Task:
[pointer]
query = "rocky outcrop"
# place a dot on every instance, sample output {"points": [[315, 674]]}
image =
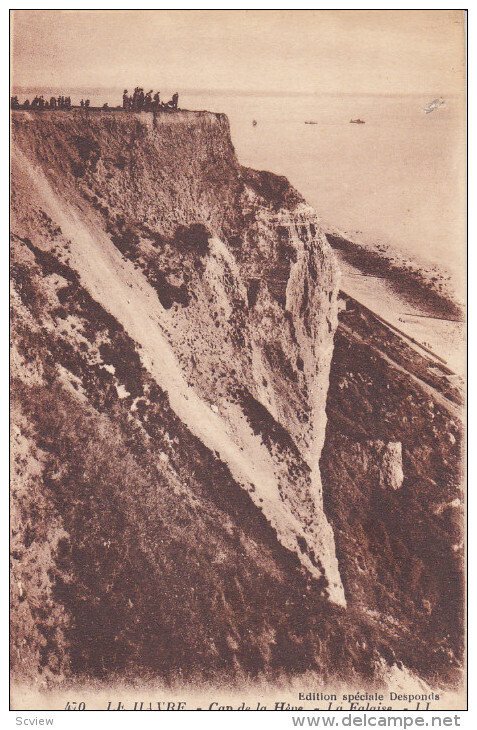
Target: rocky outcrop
{"points": [[380, 462]]}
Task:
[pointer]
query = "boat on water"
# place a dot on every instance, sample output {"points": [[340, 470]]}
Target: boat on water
{"points": [[311, 122], [356, 121]]}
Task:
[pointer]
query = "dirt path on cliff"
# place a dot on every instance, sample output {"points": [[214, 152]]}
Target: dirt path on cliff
{"points": [[122, 290]]}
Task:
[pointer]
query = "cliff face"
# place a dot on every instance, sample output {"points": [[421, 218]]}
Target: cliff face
{"points": [[173, 325], [392, 470]]}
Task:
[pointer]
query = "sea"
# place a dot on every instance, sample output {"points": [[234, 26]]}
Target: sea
{"points": [[399, 179]]}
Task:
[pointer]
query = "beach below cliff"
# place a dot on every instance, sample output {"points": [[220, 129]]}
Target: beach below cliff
{"points": [[413, 296], [441, 338]]}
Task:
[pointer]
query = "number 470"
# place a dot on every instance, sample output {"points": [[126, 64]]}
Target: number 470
{"points": [[75, 706]]}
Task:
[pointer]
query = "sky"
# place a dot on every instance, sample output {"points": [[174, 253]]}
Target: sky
{"points": [[323, 51]]}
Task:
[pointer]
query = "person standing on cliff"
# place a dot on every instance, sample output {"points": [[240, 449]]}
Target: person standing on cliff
{"points": [[134, 101], [156, 101], [148, 101], [175, 100], [126, 101]]}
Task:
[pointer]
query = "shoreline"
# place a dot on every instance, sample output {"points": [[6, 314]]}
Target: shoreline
{"points": [[412, 296], [423, 285]]}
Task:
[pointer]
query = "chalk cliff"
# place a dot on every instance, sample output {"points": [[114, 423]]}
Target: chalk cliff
{"points": [[180, 503]]}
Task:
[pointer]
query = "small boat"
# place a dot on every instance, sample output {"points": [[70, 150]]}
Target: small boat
{"points": [[254, 122], [356, 121], [311, 122]]}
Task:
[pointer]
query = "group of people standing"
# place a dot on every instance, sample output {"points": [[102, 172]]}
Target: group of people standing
{"points": [[39, 102], [139, 101]]}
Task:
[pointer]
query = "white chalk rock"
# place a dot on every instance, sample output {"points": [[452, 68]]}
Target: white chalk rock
{"points": [[391, 475]]}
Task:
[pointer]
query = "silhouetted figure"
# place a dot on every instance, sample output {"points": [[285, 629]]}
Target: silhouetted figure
{"points": [[156, 101], [52, 102], [26, 104], [82, 103], [126, 100], [14, 103], [41, 102], [86, 103], [172, 104], [148, 101]]}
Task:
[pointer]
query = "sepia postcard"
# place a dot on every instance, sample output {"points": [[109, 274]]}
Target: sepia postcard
{"points": [[238, 360]]}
